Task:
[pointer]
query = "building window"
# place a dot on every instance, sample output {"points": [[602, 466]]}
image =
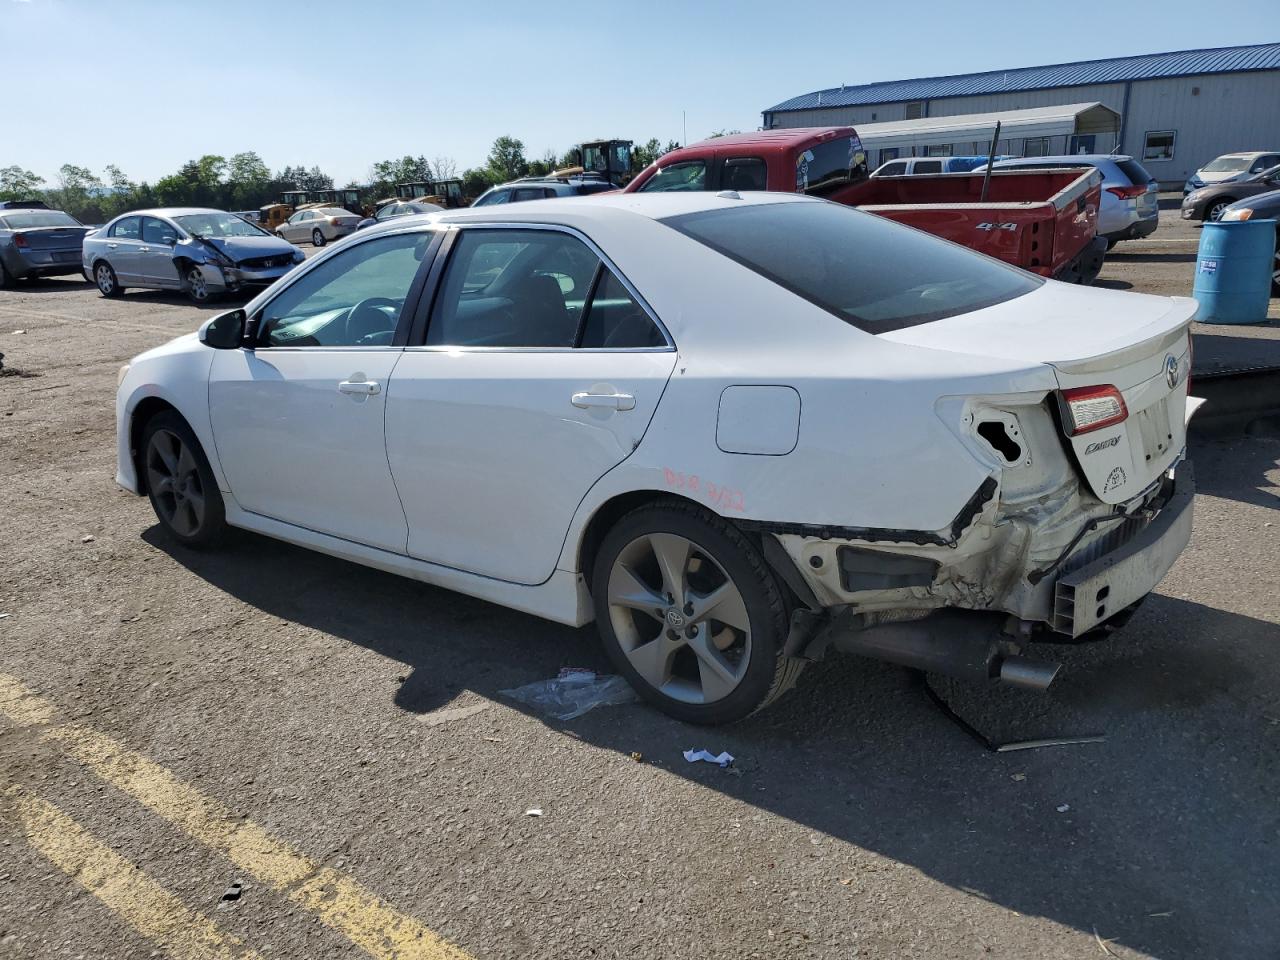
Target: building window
{"points": [[1082, 144], [938, 150], [1158, 145], [889, 153], [1035, 147], [915, 110]]}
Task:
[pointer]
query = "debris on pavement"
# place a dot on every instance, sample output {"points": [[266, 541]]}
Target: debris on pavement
{"points": [[233, 892], [88, 538], [1063, 808], [637, 756], [1018, 777], [533, 812], [721, 760], [573, 693]]}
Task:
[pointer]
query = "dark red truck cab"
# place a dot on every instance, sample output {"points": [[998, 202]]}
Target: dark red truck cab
{"points": [[1044, 221]]}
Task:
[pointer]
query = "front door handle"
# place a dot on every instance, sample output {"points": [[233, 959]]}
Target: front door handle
{"points": [[611, 401], [363, 388]]}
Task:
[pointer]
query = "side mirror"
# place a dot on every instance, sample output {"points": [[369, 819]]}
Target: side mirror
{"points": [[225, 331]]}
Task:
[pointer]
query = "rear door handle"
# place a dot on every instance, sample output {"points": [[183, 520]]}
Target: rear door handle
{"points": [[363, 388], [611, 401]]}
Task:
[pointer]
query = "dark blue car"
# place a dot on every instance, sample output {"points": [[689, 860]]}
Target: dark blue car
{"points": [[37, 242]]}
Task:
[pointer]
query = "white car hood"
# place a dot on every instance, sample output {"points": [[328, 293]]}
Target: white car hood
{"points": [[1059, 324]]}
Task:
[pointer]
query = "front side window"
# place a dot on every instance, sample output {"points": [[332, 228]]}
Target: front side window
{"points": [[158, 232], [895, 169], [353, 299], [513, 288], [1158, 145], [872, 273], [678, 177], [129, 228]]}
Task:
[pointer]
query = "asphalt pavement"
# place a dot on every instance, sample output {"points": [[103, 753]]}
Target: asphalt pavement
{"points": [[267, 752]]}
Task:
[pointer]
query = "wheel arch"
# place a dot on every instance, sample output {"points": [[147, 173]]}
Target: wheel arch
{"points": [[146, 409]]}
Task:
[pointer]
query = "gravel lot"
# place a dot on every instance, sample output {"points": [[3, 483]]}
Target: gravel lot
{"points": [[334, 740]]}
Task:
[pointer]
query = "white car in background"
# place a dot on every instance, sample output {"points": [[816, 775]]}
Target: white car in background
{"points": [[732, 430], [1231, 166], [320, 225]]}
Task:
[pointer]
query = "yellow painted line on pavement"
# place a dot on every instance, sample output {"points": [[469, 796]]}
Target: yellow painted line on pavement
{"points": [[185, 934], [339, 901]]}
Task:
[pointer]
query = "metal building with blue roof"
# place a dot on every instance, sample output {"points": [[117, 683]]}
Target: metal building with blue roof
{"points": [[1178, 110]]}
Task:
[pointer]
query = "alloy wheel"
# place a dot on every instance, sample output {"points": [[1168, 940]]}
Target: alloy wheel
{"points": [[106, 280], [196, 285], [317, 238], [1216, 211], [173, 477], [679, 618]]}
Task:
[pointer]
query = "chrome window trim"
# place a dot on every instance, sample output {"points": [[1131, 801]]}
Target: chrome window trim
{"points": [[594, 248]]}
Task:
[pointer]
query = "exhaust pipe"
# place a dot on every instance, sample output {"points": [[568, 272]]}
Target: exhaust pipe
{"points": [[957, 643]]}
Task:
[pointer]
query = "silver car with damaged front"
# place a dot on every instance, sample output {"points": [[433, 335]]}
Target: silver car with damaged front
{"points": [[203, 252]]}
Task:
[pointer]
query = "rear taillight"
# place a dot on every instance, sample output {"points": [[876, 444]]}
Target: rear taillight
{"points": [[333, 221], [1092, 408], [1128, 193], [20, 240]]}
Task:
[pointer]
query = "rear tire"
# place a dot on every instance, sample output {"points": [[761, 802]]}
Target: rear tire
{"points": [[5, 278], [691, 615], [317, 238], [180, 483], [105, 280]]}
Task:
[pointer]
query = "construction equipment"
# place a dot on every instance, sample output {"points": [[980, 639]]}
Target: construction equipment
{"points": [[446, 193]]}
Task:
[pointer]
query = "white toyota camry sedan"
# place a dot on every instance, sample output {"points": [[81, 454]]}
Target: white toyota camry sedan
{"points": [[734, 430]]}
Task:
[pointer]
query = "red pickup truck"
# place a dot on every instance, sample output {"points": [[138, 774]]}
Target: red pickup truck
{"points": [[1044, 221]]}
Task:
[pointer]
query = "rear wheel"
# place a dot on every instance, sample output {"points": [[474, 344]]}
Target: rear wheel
{"points": [[1217, 208], [180, 482], [317, 238], [5, 278], [105, 280], [691, 615]]}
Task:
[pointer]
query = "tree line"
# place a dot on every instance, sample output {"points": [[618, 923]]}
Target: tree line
{"points": [[244, 182]]}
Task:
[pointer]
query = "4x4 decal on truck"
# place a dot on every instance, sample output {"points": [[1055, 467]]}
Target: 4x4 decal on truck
{"points": [[988, 226]]}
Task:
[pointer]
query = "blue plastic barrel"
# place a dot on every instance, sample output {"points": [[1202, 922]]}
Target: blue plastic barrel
{"points": [[1233, 271]]}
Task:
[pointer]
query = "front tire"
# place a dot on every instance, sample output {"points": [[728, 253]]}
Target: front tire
{"points": [[104, 279], [691, 615], [1214, 213], [317, 238], [197, 286], [180, 483]]}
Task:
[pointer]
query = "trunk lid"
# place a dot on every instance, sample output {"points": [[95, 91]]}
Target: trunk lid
{"points": [[1137, 343], [53, 238]]}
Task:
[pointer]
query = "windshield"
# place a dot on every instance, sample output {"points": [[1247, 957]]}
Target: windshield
{"points": [[218, 225], [870, 272], [38, 218], [1227, 165]]}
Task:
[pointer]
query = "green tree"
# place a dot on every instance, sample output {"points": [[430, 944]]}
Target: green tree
{"points": [[300, 178], [476, 181], [385, 174], [643, 154], [197, 184], [248, 182], [19, 184], [570, 158], [506, 159], [78, 192]]}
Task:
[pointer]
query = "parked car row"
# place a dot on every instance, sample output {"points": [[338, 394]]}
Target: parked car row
{"points": [[1212, 201]]}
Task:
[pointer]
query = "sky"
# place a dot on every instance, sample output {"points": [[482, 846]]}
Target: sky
{"points": [[150, 84]]}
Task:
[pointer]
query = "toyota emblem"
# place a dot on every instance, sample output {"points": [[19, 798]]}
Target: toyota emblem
{"points": [[1171, 371], [674, 619]]}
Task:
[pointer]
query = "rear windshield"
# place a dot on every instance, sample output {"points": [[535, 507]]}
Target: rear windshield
{"points": [[831, 163], [1135, 171], [1226, 165], [870, 272], [38, 218]]}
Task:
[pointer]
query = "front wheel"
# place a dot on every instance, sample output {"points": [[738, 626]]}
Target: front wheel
{"points": [[317, 238], [1217, 209], [197, 286], [691, 615], [180, 482], [105, 280]]}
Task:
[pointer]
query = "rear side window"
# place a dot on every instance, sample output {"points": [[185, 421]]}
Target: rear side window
{"points": [[870, 272], [615, 320], [828, 164], [928, 166], [130, 228], [744, 173], [1135, 171]]}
